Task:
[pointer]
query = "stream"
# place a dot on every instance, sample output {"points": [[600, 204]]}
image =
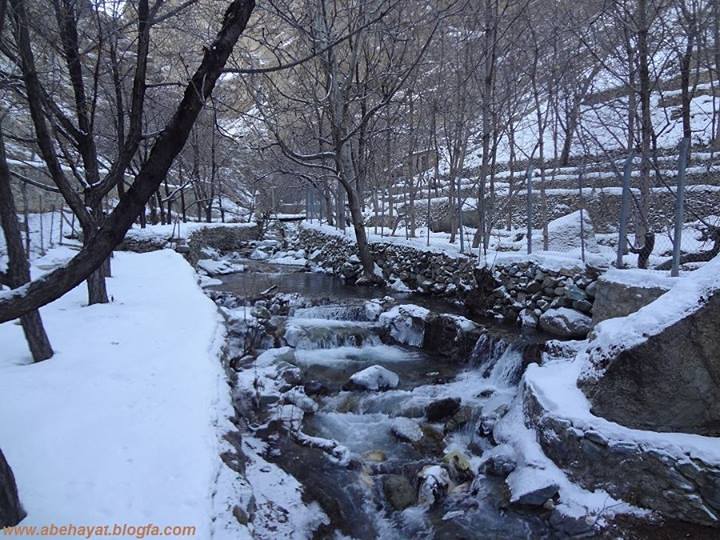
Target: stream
{"points": [[374, 461]]}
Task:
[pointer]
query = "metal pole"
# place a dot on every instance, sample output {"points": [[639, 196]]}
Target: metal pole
{"points": [[460, 217], [624, 209], [428, 210], [679, 206], [529, 208]]}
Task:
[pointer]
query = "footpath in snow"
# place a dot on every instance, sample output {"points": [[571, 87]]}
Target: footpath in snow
{"points": [[123, 424]]}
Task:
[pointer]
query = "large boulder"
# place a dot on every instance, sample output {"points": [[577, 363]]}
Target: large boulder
{"points": [[619, 293], [565, 323], [669, 381], [11, 511], [564, 233]]}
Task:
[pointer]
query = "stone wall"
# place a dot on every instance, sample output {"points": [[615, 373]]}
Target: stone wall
{"points": [[527, 289], [679, 485], [523, 290], [429, 272]]}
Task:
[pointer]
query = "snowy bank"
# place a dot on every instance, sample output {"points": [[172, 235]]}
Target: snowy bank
{"points": [[123, 424]]}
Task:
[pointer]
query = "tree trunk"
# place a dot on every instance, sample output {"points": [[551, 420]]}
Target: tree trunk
{"points": [[18, 266], [165, 149], [646, 121], [11, 511]]}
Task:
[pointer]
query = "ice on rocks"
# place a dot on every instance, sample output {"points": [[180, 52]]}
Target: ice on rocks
{"points": [[434, 484], [406, 429], [406, 323], [375, 378]]}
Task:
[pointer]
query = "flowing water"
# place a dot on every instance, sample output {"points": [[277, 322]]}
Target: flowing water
{"points": [[338, 338]]}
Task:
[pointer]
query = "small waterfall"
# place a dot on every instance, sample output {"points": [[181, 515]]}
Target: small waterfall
{"points": [[507, 370], [351, 312], [487, 350], [312, 334], [500, 361]]}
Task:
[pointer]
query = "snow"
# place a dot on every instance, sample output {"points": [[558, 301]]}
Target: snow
{"points": [[406, 429], [623, 333], [375, 378], [281, 512], [124, 422], [406, 323], [219, 267]]}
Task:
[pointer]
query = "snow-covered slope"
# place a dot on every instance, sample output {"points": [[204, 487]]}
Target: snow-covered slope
{"points": [[123, 424]]}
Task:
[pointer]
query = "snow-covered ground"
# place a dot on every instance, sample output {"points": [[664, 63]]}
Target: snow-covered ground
{"points": [[124, 423]]}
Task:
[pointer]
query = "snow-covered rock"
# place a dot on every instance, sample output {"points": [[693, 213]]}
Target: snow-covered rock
{"points": [[374, 378], [259, 255], [406, 429], [564, 233], [219, 267], [434, 484], [406, 323], [531, 487], [300, 399], [565, 323], [500, 460]]}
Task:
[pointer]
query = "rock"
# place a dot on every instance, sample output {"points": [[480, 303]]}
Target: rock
{"points": [[316, 388], [376, 456], [617, 296], [571, 526], [398, 491], [528, 319], [406, 429], [669, 381], [499, 461], [298, 398], [459, 419], [531, 487], [373, 378], [459, 465], [259, 255], [565, 323], [434, 484], [261, 312], [564, 233], [406, 323], [11, 511], [441, 409]]}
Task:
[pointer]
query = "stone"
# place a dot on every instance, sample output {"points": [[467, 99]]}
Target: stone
{"points": [[398, 491], [434, 484], [499, 461], [529, 487], [316, 388], [406, 429], [11, 511], [613, 298], [459, 466], [373, 378], [441, 409], [459, 419], [376, 456], [565, 323], [677, 390]]}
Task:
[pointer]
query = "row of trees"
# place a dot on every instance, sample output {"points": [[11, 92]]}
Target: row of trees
{"points": [[394, 88], [372, 105], [90, 99]]}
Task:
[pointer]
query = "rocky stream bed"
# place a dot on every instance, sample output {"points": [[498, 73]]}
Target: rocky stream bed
{"points": [[366, 415]]}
